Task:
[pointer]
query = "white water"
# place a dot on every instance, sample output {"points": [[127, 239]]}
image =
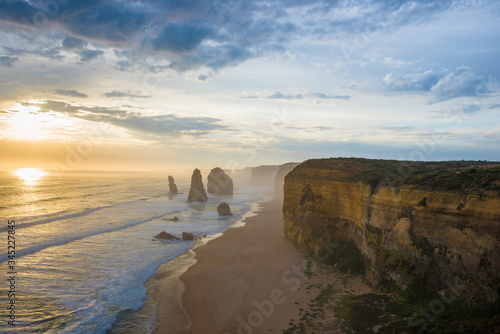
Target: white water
{"points": [[84, 245]]}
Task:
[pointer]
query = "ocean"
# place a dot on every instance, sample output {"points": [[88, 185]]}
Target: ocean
{"points": [[84, 245]]}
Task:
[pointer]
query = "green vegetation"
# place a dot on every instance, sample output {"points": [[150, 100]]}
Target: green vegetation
{"points": [[469, 180], [473, 177], [346, 256], [363, 313], [311, 319]]}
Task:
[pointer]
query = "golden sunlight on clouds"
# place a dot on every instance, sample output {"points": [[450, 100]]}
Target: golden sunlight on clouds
{"points": [[28, 123]]}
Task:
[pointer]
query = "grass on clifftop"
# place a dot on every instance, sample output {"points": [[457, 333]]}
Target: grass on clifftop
{"points": [[462, 176]]}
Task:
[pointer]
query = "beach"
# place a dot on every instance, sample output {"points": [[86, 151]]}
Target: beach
{"points": [[249, 280]]}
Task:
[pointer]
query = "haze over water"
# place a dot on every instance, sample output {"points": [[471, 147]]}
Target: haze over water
{"points": [[84, 245]]}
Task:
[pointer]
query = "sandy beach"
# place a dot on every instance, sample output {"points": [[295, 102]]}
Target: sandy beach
{"points": [[249, 280]]}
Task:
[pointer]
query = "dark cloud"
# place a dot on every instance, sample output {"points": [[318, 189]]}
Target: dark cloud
{"points": [[70, 93], [6, 61], [71, 43], [80, 48], [90, 54], [443, 84], [144, 126], [108, 22], [116, 93], [180, 38], [51, 52], [208, 33], [202, 77]]}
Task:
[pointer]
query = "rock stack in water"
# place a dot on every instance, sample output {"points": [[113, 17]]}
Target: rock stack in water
{"points": [[171, 185], [197, 192], [224, 210], [219, 183]]}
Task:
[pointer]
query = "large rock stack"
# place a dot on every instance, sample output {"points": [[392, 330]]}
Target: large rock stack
{"points": [[197, 192], [219, 183], [171, 185]]}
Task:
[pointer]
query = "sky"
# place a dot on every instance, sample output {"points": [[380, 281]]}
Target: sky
{"points": [[158, 85]]}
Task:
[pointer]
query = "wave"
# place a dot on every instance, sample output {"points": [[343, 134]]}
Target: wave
{"points": [[53, 219], [37, 248]]}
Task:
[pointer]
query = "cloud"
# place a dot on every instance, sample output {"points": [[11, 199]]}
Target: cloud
{"points": [[327, 96], [112, 23], [291, 96], [116, 93], [6, 61], [51, 52], [70, 93], [71, 43], [193, 34], [442, 84], [141, 125], [180, 38], [279, 96], [88, 54]]}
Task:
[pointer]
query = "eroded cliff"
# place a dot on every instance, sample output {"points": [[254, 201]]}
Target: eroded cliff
{"points": [[421, 228]]}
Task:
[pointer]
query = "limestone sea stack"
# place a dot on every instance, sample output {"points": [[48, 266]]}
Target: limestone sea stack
{"points": [[171, 185], [219, 183], [224, 210], [197, 192]]}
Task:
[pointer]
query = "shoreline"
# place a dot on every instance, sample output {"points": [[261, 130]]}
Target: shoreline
{"points": [[165, 287], [253, 280]]}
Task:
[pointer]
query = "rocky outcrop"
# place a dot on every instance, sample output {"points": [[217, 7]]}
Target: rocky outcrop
{"points": [[420, 227], [186, 236], [166, 236], [224, 210], [171, 185], [280, 178], [219, 183], [197, 192]]}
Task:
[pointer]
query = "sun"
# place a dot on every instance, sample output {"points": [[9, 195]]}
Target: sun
{"points": [[30, 176], [26, 122]]}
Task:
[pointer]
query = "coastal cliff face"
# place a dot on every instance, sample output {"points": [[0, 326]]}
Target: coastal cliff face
{"points": [[279, 181], [414, 239]]}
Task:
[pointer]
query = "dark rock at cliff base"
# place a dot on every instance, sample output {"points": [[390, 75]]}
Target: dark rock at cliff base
{"points": [[187, 236], [219, 183], [166, 236], [171, 185], [224, 210], [197, 192]]}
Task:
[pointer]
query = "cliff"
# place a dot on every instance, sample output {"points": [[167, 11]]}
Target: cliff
{"points": [[279, 180], [263, 176], [418, 228]]}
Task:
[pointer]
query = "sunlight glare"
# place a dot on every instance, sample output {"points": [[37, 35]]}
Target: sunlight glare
{"points": [[30, 176]]}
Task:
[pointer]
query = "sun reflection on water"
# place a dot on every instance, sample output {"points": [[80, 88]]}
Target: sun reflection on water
{"points": [[30, 176]]}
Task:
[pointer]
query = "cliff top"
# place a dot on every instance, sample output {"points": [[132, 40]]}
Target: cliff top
{"points": [[473, 177]]}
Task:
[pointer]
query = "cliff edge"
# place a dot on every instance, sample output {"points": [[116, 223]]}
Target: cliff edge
{"points": [[413, 228]]}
